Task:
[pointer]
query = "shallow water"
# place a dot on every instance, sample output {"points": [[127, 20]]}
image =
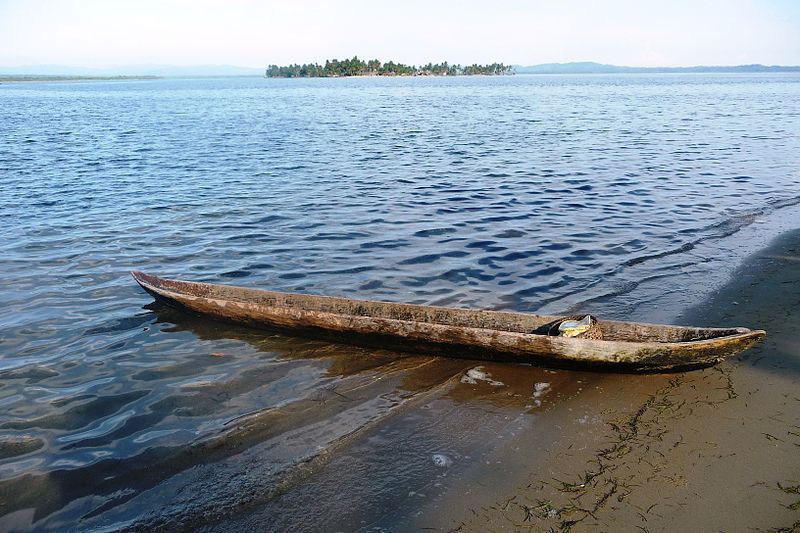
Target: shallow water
{"points": [[528, 193]]}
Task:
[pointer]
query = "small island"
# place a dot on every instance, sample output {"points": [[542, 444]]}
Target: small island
{"points": [[335, 68]]}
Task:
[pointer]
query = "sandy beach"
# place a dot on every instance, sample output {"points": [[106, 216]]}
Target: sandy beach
{"points": [[710, 450]]}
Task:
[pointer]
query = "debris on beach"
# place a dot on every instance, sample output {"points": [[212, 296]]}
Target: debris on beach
{"points": [[540, 388], [474, 375]]}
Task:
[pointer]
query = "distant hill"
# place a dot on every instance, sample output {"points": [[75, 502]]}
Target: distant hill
{"points": [[166, 71], [589, 67]]}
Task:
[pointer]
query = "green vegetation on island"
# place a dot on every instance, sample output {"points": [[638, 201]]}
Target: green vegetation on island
{"points": [[356, 67], [49, 77]]}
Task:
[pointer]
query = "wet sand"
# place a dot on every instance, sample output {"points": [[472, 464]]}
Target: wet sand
{"points": [[410, 443], [709, 450]]}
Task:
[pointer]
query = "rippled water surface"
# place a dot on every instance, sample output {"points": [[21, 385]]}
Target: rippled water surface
{"points": [[526, 193]]}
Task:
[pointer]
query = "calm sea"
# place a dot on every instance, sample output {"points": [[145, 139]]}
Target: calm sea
{"points": [[530, 193]]}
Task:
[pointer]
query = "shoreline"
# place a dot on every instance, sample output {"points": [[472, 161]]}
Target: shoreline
{"points": [[713, 449], [603, 452]]}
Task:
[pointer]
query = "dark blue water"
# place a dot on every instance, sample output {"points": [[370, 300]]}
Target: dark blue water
{"points": [[525, 192]]}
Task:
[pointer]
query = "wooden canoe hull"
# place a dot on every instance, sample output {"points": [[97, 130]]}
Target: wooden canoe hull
{"points": [[494, 335]]}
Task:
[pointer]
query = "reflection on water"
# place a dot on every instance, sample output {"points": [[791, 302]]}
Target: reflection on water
{"points": [[284, 382], [284, 399], [523, 193]]}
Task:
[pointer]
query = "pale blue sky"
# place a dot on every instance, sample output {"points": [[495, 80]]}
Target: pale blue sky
{"points": [[97, 33]]}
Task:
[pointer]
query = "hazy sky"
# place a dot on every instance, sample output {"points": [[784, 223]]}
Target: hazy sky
{"points": [[98, 33]]}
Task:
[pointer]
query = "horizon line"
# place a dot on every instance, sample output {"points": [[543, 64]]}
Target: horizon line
{"points": [[268, 63]]}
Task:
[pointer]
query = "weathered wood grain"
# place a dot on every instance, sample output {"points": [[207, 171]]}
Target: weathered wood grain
{"points": [[496, 335]]}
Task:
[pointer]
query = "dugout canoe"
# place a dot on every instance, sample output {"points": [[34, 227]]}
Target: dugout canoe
{"points": [[467, 333]]}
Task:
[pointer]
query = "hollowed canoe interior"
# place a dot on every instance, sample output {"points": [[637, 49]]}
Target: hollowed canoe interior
{"points": [[495, 320]]}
